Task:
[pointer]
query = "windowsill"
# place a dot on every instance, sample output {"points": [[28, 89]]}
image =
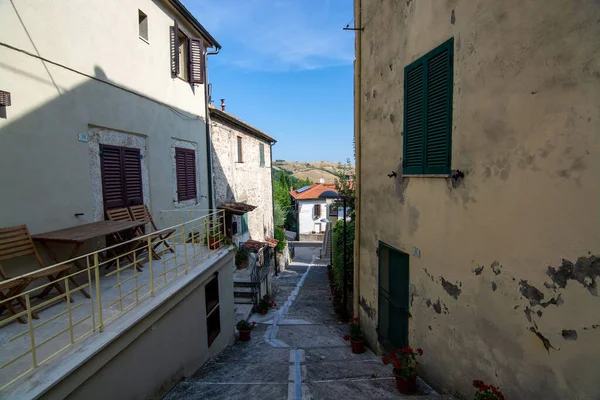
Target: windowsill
{"points": [[426, 175], [144, 40], [182, 79], [239, 162]]}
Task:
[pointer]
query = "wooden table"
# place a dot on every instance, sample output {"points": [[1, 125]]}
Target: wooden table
{"points": [[78, 235]]}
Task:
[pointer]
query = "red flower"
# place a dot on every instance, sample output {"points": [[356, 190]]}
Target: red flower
{"points": [[346, 337], [274, 304], [355, 320], [420, 351], [329, 298], [385, 360], [407, 350], [253, 323]]}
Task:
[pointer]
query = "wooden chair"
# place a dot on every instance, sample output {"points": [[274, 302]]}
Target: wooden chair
{"points": [[141, 213], [122, 214], [16, 242], [10, 289]]}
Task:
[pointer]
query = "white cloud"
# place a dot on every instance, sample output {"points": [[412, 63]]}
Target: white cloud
{"points": [[279, 34]]}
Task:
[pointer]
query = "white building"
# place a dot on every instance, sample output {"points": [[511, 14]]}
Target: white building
{"points": [[314, 213]]}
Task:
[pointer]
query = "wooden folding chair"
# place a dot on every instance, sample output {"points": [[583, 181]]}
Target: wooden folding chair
{"points": [[141, 213], [122, 214], [16, 242], [10, 289]]}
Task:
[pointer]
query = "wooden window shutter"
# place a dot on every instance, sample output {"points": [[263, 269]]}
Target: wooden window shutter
{"points": [[317, 210], [133, 176], [412, 162], [439, 79], [175, 49], [185, 169], [112, 177], [196, 53], [428, 85], [262, 154]]}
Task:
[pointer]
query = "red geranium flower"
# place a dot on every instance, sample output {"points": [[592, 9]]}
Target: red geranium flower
{"points": [[420, 351], [355, 320], [346, 337], [253, 323], [329, 298]]}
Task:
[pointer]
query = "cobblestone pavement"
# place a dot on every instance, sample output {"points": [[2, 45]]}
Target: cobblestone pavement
{"points": [[296, 352]]}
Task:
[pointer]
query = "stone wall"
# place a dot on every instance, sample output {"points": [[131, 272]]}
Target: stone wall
{"points": [[503, 261], [243, 181]]}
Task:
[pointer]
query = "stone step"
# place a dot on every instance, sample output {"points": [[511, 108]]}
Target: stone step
{"points": [[242, 300], [242, 289]]}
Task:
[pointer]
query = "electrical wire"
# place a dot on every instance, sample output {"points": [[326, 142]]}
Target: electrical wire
{"points": [[174, 110]]}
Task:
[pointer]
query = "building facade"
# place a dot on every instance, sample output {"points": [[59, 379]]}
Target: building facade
{"points": [[241, 162], [477, 213], [314, 213], [84, 96]]}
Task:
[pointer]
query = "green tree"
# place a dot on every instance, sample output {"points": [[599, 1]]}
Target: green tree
{"points": [[346, 187]]}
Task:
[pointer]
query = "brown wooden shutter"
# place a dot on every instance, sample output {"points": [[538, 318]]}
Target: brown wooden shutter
{"points": [[185, 170], [196, 54], [112, 177], [175, 49], [133, 176]]}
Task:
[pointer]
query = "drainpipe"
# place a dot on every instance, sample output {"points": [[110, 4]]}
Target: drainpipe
{"points": [[273, 205], [357, 142], [211, 199]]}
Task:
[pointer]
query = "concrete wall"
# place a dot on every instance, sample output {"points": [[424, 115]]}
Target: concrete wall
{"points": [[234, 181], [505, 289], [46, 174], [153, 355]]}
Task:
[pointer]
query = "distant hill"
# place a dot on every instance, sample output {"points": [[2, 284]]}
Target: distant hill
{"points": [[311, 170]]}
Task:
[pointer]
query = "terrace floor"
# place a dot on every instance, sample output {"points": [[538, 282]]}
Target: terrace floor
{"points": [[117, 301]]}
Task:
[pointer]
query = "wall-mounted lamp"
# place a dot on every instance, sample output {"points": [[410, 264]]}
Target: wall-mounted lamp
{"points": [[393, 174]]}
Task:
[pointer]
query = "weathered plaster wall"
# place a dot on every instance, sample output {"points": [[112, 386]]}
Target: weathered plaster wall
{"points": [[505, 289], [246, 181]]}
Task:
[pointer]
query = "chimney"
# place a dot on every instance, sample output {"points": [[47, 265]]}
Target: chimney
{"points": [[321, 180], [222, 104]]}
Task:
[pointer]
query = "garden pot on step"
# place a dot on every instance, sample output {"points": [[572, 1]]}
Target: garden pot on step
{"points": [[406, 386], [214, 243], [263, 312], [243, 264], [358, 346], [244, 335]]}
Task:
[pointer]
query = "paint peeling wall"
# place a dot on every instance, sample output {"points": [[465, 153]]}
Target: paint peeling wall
{"points": [[505, 289], [246, 181]]}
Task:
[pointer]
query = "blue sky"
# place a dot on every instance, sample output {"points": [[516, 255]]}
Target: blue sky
{"points": [[286, 68]]}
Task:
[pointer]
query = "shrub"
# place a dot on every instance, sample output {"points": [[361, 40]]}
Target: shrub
{"points": [[244, 325], [338, 254], [280, 235]]}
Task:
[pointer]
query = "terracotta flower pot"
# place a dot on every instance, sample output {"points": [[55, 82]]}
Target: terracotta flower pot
{"points": [[243, 264], [245, 335], [358, 346], [263, 312], [406, 386]]}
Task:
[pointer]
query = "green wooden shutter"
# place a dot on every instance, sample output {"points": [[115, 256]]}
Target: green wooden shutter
{"points": [[262, 154], [413, 118], [438, 78], [244, 221], [428, 85]]}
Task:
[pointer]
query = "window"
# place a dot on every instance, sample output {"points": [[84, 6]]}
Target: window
{"points": [[185, 171], [213, 316], [261, 148], [187, 56], [244, 221], [318, 228], [333, 211], [428, 85], [143, 25], [239, 150], [121, 176], [317, 211]]}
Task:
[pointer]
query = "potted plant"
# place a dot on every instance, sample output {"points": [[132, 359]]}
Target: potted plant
{"points": [[265, 304], [356, 337], [244, 328], [214, 239], [405, 368], [241, 258], [486, 392]]}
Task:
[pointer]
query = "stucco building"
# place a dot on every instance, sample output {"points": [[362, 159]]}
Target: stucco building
{"points": [[477, 190], [313, 213], [108, 109], [241, 161]]}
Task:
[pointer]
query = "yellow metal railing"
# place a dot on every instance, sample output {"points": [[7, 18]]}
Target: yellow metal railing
{"points": [[117, 278]]}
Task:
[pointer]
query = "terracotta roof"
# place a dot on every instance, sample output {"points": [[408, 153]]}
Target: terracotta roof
{"points": [[313, 192], [236, 208], [272, 242], [242, 124], [254, 245]]}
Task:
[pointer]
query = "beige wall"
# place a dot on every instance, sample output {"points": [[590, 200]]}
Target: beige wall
{"points": [[234, 181], [46, 174], [525, 133]]}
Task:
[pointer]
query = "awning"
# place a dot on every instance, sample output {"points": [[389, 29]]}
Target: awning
{"points": [[236, 208], [254, 245], [271, 242]]}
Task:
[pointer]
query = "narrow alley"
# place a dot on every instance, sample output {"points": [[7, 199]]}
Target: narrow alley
{"points": [[297, 351]]}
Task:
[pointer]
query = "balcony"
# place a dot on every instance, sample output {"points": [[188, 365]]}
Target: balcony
{"points": [[123, 289]]}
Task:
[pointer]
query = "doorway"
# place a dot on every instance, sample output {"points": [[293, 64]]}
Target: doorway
{"points": [[394, 283]]}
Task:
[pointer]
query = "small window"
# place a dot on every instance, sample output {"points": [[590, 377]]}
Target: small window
{"points": [[185, 169], [318, 228], [183, 56], [239, 150], [143, 25], [213, 316], [428, 85], [262, 154], [333, 211], [317, 210]]}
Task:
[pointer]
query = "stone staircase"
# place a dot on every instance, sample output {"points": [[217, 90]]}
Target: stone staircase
{"points": [[326, 248]]}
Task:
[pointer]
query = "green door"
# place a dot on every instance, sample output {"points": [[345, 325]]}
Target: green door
{"points": [[393, 297]]}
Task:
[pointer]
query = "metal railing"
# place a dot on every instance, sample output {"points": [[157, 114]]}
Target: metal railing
{"points": [[261, 267], [118, 278]]}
